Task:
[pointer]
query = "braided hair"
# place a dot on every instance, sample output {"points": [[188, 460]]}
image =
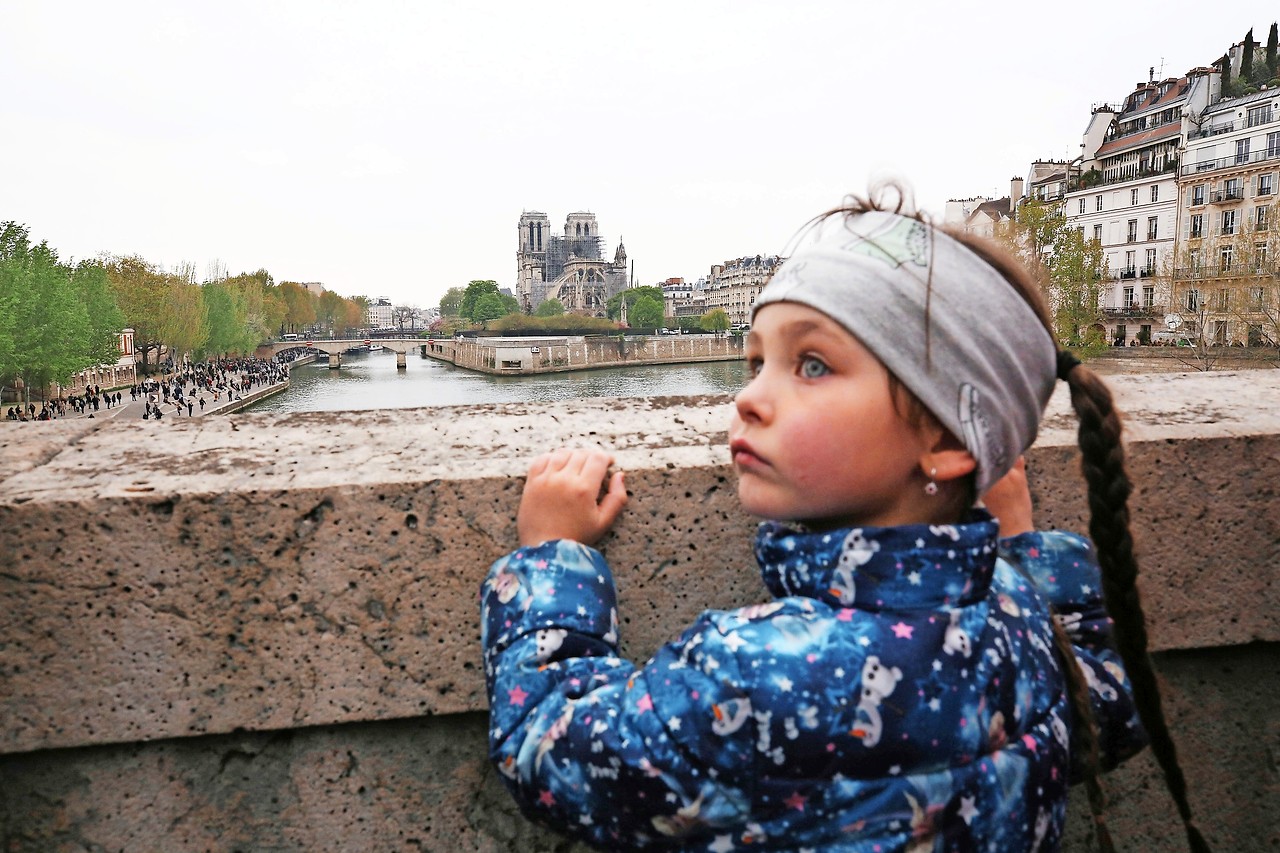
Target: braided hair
{"points": [[1103, 465]]}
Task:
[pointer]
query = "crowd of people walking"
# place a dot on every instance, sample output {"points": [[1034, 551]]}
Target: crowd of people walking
{"points": [[181, 391]]}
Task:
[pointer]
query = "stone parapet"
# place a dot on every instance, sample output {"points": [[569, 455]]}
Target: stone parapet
{"points": [[526, 355], [262, 630]]}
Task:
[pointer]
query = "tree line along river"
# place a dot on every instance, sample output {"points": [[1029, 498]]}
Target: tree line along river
{"points": [[370, 380]]}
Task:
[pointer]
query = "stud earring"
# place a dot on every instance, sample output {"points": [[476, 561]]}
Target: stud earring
{"points": [[931, 487]]}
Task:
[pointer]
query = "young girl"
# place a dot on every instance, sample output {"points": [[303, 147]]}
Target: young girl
{"points": [[906, 688]]}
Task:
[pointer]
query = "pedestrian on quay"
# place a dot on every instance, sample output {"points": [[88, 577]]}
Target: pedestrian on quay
{"points": [[907, 688]]}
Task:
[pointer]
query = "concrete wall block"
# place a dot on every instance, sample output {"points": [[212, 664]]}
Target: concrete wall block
{"points": [[425, 784]]}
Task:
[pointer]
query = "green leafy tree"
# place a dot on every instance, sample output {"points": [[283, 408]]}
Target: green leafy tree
{"points": [[614, 306], [549, 308], [715, 320], [55, 320], [330, 311], [300, 306], [1272, 43], [510, 303], [184, 324], [140, 291], [646, 313], [1068, 269], [225, 315], [451, 302], [471, 297], [1246, 57], [489, 307]]}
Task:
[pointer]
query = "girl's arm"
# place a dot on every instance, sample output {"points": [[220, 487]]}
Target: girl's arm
{"points": [[584, 740], [1065, 570]]}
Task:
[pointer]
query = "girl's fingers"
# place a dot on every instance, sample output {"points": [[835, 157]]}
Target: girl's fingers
{"points": [[614, 500], [595, 464]]}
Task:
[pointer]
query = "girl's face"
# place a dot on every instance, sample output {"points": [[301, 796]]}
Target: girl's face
{"points": [[815, 436]]}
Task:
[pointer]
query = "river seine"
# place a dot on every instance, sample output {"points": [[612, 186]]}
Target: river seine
{"points": [[370, 380]]}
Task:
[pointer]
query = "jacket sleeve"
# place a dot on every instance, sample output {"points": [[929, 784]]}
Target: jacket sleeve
{"points": [[585, 740], [1064, 568]]}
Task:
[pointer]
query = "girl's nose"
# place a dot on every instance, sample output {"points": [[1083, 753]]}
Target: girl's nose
{"points": [[752, 402]]}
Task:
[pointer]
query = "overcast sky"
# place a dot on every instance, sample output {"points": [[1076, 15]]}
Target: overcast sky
{"points": [[388, 148]]}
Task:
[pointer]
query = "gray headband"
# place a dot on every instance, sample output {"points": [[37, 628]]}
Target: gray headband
{"points": [[990, 364]]}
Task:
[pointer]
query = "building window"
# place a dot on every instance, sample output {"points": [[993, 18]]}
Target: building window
{"points": [[1232, 188], [1260, 216], [1152, 227], [1228, 222], [1155, 192], [1097, 202], [1220, 332], [1133, 196], [1193, 300], [1197, 194], [1148, 297], [1225, 258], [1128, 264], [1082, 205], [1133, 231], [1150, 267], [1121, 334], [1264, 184], [1273, 144], [1259, 115], [1194, 258], [1128, 297], [1242, 151], [1097, 233], [1223, 301], [1197, 225], [1255, 298], [1259, 257]]}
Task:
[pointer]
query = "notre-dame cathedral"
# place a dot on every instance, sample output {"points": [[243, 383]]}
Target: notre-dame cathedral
{"points": [[570, 267]]}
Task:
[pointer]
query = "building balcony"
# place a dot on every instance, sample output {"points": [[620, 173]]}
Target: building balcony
{"points": [[1232, 161], [1211, 131], [1147, 272], [1133, 311], [1131, 272], [1225, 196]]}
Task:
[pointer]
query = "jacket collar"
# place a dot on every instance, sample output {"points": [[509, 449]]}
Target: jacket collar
{"points": [[879, 568]]}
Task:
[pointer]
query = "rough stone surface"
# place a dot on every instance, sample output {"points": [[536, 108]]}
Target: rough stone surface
{"points": [[424, 784], [186, 604]]}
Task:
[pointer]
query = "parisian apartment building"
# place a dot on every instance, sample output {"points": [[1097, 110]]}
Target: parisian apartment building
{"points": [[1176, 183]]}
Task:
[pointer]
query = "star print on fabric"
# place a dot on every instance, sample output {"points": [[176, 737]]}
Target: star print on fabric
{"points": [[645, 703], [722, 844], [902, 631], [784, 684], [796, 801], [967, 810], [546, 799], [734, 641], [517, 696], [914, 578], [674, 724]]}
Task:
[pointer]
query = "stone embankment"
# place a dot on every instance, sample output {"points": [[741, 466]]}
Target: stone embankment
{"points": [[557, 354], [261, 631]]}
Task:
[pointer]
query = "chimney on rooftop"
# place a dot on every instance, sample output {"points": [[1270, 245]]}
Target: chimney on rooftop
{"points": [[1015, 193]]}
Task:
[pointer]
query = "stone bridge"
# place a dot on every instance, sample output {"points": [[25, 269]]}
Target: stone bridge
{"points": [[261, 631], [334, 348]]}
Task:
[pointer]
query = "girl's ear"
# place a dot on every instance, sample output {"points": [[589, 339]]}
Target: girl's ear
{"points": [[945, 457]]}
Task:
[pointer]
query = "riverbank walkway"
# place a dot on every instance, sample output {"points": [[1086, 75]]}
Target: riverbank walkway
{"points": [[136, 408]]}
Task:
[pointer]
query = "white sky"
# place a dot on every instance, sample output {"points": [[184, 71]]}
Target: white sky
{"points": [[388, 148]]}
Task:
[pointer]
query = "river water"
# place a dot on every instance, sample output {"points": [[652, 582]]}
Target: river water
{"points": [[370, 380]]}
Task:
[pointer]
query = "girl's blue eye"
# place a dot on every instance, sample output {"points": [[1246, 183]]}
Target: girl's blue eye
{"points": [[753, 367], [812, 368]]}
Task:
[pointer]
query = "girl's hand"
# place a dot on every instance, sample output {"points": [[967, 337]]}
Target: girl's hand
{"points": [[1009, 500], [562, 498]]}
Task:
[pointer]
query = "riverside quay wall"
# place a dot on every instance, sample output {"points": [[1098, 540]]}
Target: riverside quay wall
{"points": [[558, 354], [260, 631]]}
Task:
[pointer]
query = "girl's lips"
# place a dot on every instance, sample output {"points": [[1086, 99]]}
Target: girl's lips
{"points": [[744, 454]]}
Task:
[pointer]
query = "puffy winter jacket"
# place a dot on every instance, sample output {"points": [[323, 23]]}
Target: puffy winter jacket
{"points": [[900, 692]]}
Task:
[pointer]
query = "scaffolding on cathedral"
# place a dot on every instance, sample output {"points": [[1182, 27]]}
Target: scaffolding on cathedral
{"points": [[561, 247]]}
